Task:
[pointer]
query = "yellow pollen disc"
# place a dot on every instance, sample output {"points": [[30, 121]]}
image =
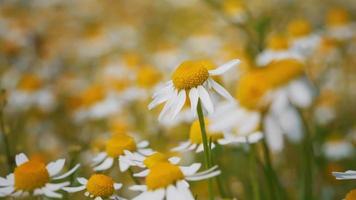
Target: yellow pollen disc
{"points": [[162, 175], [195, 133], [277, 42], [31, 175], [191, 74], [337, 17], [155, 158], [117, 144], [92, 95], [351, 195], [299, 28], [251, 89], [147, 77], [282, 71], [233, 7], [100, 185], [29, 83]]}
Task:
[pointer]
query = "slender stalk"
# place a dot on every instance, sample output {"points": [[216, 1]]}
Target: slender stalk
{"points": [[253, 175], [5, 135], [135, 180], [206, 146]]}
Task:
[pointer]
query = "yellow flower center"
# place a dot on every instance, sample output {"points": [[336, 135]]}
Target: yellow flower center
{"points": [[162, 175], [195, 133], [277, 42], [337, 17], [117, 144], [191, 74], [92, 95], [31, 175], [282, 71], [251, 88], [100, 185], [351, 195], [299, 28], [30, 83], [233, 7], [147, 77], [155, 158]]}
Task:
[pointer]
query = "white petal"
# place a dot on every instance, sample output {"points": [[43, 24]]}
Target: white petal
{"points": [[203, 177], [183, 189], [4, 182], [174, 160], [300, 93], [117, 186], [70, 172], [192, 147], [274, 135], [56, 186], [168, 106], [98, 198], [205, 99], [146, 152], [194, 97], [151, 195], [144, 173], [182, 146], [200, 148], [291, 124], [74, 189], [108, 162], [143, 144], [124, 163], [159, 99], [205, 172], [55, 167], [21, 159], [225, 67], [99, 158], [141, 188], [221, 90], [190, 170], [179, 103], [51, 194], [255, 137], [82, 180], [174, 194], [7, 190]]}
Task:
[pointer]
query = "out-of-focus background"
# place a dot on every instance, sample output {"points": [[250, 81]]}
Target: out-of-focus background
{"points": [[72, 72]]}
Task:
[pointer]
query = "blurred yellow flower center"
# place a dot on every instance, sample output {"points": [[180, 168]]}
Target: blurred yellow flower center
{"points": [[337, 17], [147, 77], [195, 133], [351, 195], [30, 83], [191, 74], [100, 185], [117, 144], [162, 175], [277, 42], [233, 7], [92, 95], [251, 88], [281, 72], [299, 28], [155, 158], [31, 175]]}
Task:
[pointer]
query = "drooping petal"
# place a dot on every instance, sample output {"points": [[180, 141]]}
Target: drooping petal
{"points": [[179, 103], [68, 173], [225, 67], [117, 186], [144, 173], [140, 188], [55, 167], [193, 97], [221, 90], [20, 159], [99, 158], [108, 162], [174, 160], [205, 99], [156, 195], [190, 170], [57, 186], [82, 180]]}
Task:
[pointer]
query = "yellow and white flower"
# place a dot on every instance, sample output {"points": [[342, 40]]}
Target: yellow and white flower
{"points": [[98, 186], [338, 25], [168, 181], [34, 177], [192, 78], [121, 147]]}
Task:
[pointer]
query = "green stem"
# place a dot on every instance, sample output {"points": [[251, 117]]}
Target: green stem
{"points": [[206, 146], [135, 180], [10, 161], [253, 175]]}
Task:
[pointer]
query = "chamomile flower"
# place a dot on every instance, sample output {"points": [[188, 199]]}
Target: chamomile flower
{"points": [[34, 177], [98, 186], [303, 40], [119, 147], [195, 141], [338, 24], [337, 148], [278, 48], [193, 79], [169, 181]]}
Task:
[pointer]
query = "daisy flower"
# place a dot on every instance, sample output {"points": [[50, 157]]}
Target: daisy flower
{"points": [[34, 177], [99, 187], [338, 24], [119, 147], [192, 79], [278, 48], [195, 141], [168, 181]]}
